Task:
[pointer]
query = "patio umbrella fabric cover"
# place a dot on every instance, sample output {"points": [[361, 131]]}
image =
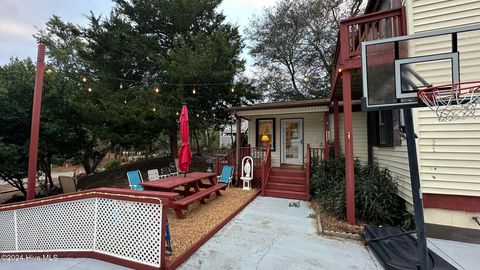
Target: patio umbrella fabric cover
{"points": [[185, 154]]}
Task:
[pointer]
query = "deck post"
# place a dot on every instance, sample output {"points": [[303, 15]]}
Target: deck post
{"points": [[35, 128], [336, 129], [348, 138], [238, 140], [326, 129]]}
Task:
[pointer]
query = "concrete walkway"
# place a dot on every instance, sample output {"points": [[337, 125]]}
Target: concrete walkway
{"points": [[268, 234], [59, 264]]}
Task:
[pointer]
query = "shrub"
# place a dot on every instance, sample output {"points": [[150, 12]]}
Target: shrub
{"points": [[112, 164], [376, 198]]}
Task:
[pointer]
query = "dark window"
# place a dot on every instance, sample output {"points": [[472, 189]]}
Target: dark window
{"points": [[385, 128], [265, 133]]}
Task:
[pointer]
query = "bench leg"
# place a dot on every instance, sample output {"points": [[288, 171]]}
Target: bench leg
{"points": [[218, 193], [179, 213], [202, 201]]}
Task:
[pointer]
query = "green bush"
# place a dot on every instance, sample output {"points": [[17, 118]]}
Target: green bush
{"points": [[112, 164], [376, 199]]}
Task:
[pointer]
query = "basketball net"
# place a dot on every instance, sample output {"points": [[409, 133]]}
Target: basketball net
{"points": [[452, 101]]}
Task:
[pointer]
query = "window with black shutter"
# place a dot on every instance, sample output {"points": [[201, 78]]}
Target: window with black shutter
{"points": [[385, 128]]}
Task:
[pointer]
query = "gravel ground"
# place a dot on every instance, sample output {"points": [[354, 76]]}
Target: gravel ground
{"points": [[200, 219]]}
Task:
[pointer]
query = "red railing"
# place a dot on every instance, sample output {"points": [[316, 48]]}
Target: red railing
{"points": [[266, 168], [258, 155], [372, 26], [307, 171]]}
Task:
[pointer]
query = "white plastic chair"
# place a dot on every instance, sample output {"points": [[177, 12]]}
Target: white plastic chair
{"points": [[153, 175]]}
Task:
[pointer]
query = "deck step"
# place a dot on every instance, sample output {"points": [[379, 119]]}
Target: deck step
{"points": [[295, 195], [285, 172], [286, 186], [287, 179]]}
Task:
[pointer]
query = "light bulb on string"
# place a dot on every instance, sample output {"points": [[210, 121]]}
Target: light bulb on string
{"points": [[84, 79], [125, 101], [157, 90], [198, 115], [269, 86], [89, 89], [121, 86], [232, 89], [194, 91], [154, 109], [178, 113]]}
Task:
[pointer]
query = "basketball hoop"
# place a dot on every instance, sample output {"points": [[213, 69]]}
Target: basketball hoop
{"points": [[452, 101]]}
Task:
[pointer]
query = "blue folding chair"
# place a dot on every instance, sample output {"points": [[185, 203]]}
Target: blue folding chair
{"points": [[226, 176], [135, 180]]}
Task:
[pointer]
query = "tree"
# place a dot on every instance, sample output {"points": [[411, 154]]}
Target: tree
{"points": [[172, 46], [60, 132], [293, 45]]}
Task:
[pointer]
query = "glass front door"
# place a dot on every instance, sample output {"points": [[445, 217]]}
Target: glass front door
{"points": [[292, 141]]}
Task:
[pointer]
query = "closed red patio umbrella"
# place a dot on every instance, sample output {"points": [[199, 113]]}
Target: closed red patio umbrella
{"points": [[185, 154]]}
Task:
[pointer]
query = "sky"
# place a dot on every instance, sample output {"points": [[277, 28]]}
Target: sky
{"points": [[20, 19]]}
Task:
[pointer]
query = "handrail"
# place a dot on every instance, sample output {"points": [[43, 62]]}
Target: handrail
{"points": [[307, 172], [373, 26], [266, 168]]}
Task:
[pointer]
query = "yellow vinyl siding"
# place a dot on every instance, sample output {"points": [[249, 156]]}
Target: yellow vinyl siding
{"points": [[449, 155], [313, 132], [360, 138]]}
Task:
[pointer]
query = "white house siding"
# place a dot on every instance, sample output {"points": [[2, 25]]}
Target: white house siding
{"points": [[360, 138], [313, 131], [441, 151]]}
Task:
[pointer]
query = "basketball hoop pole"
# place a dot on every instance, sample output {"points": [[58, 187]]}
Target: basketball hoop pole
{"points": [[416, 190]]}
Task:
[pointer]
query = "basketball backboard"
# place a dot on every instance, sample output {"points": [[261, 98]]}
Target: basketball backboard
{"points": [[394, 69]]}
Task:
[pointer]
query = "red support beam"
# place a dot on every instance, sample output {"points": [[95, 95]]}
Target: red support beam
{"points": [[336, 129], [35, 128], [326, 127], [238, 140], [348, 138]]}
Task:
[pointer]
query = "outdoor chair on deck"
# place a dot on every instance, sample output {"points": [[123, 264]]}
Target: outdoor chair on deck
{"points": [[135, 180], [68, 184], [153, 175], [226, 176]]}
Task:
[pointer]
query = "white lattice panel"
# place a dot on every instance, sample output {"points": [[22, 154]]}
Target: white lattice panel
{"points": [[7, 231], [57, 227], [130, 230]]}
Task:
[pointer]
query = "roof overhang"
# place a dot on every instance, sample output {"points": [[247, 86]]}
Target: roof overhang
{"points": [[288, 107]]}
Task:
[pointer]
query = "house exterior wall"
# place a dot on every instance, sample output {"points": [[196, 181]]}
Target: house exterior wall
{"points": [[448, 152], [360, 137], [313, 132]]}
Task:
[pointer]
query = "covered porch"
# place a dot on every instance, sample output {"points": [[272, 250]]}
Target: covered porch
{"points": [[283, 139]]}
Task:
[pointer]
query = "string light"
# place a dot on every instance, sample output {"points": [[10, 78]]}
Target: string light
{"points": [[90, 89], [121, 86], [198, 115], [84, 79], [306, 79], [178, 113], [157, 90], [269, 86], [154, 109], [125, 101], [194, 91], [232, 89]]}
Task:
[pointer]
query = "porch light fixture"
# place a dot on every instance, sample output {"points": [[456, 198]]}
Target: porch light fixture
{"points": [[265, 138]]}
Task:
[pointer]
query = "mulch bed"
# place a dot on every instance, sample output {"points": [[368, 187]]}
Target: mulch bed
{"points": [[331, 223], [200, 219]]}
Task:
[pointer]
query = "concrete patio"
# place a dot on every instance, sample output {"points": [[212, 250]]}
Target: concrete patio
{"points": [[269, 234]]}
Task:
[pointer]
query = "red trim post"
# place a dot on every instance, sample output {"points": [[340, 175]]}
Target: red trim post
{"points": [[336, 129], [326, 127], [348, 137], [35, 129], [238, 140]]}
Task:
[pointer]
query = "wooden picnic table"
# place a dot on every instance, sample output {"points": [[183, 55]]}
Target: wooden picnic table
{"points": [[191, 180]]}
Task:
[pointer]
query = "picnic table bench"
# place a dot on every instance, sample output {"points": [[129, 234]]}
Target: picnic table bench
{"points": [[191, 180]]}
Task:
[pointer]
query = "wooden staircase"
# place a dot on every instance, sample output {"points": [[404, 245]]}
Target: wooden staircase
{"points": [[287, 183]]}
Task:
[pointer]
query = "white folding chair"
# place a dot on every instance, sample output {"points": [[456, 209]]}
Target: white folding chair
{"points": [[153, 175]]}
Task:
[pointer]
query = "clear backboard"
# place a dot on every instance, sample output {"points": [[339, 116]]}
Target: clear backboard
{"points": [[394, 69]]}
